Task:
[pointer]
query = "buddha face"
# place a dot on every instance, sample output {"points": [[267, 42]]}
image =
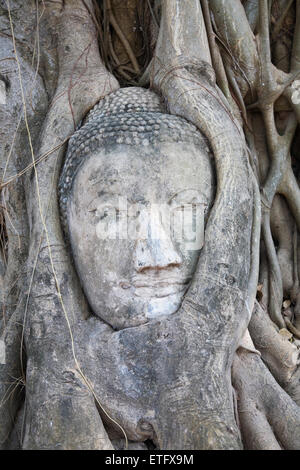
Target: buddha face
{"points": [[136, 219]]}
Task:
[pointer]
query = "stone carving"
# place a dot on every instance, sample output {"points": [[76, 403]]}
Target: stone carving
{"points": [[135, 192]]}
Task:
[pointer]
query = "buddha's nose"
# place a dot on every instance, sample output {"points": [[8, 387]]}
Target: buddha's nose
{"points": [[155, 252]]}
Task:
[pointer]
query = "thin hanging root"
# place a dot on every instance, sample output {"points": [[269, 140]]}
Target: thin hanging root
{"points": [[31, 165], [237, 93], [255, 247], [155, 19], [282, 226], [111, 28], [215, 52], [275, 280], [116, 65], [122, 38], [280, 21], [289, 188], [295, 263], [263, 296]]}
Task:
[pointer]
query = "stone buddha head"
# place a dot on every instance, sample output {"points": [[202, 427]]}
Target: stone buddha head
{"points": [[135, 192]]}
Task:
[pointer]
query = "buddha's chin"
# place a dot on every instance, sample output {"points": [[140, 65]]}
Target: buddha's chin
{"points": [[163, 306]]}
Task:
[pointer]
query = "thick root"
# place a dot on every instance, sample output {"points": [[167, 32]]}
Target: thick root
{"points": [[269, 418], [280, 355]]}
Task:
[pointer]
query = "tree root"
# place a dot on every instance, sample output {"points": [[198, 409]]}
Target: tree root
{"points": [[188, 85], [269, 418], [280, 355], [82, 82]]}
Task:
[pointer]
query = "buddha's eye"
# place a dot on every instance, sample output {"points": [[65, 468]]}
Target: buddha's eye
{"points": [[105, 214], [186, 208], [179, 209], [133, 213], [187, 223]]}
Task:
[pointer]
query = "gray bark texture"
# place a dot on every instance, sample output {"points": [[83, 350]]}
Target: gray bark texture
{"points": [[223, 371]]}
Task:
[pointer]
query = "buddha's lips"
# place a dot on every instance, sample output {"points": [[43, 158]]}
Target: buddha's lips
{"points": [[149, 287], [158, 283]]}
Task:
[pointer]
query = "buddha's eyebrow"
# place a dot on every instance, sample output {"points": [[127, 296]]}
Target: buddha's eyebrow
{"points": [[106, 183], [106, 187], [186, 195], [137, 199], [102, 195]]}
